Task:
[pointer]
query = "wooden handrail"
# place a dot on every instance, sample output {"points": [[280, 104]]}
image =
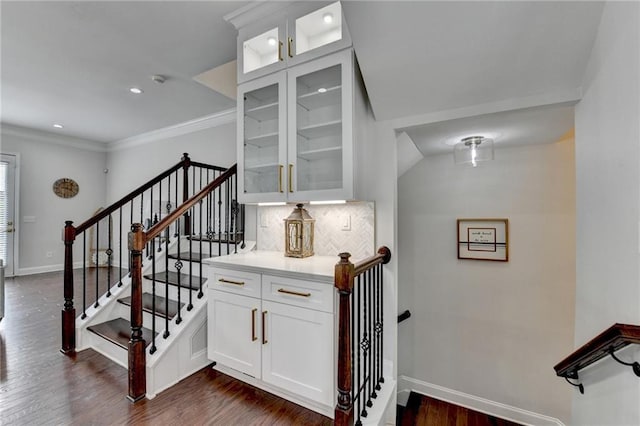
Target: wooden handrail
{"points": [[208, 166], [156, 229], [606, 343], [124, 200], [383, 256]]}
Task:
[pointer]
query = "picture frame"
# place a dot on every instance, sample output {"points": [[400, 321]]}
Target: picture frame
{"points": [[483, 239]]}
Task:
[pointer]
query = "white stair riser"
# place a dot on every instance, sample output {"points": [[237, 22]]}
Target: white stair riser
{"points": [[161, 290]]}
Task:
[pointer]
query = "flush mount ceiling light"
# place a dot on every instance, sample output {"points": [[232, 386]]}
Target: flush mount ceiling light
{"points": [[327, 18], [472, 150], [135, 90]]}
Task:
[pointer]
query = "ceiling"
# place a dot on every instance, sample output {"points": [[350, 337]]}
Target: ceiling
{"points": [[73, 62], [539, 125]]}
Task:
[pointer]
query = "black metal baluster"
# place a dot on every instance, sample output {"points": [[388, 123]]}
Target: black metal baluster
{"points": [[166, 286], [376, 320], [97, 259], [364, 344], [357, 358], [120, 248], [160, 206], [190, 305], [178, 266], [219, 220], [177, 222], [353, 344], [109, 253], [381, 324], [153, 299], [148, 245], [227, 212], [209, 224], [369, 304], [200, 294], [237, 212], [84, 275]]}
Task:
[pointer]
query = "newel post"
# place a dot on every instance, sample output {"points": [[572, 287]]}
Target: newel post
{"points": [[137, 346], [344, 273], [186, 163], [68, 312]]}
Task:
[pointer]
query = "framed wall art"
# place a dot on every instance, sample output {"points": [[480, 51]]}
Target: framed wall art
{"points": [[483, 239]]}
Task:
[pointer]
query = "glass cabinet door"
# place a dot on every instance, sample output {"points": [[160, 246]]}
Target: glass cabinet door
{"points": [[319, 128], [261, 127]]}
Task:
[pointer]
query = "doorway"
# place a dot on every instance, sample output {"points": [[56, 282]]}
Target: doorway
{"points": [[8, 167]]}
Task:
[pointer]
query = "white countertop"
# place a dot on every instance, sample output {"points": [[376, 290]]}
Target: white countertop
{"points": [[318, 268]]}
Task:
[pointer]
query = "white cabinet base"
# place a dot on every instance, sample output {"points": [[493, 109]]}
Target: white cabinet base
{"points": [[297, 399]]}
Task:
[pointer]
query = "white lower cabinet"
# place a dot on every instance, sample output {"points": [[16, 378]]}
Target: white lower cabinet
{"points": [[298, 353], [283, 338]]}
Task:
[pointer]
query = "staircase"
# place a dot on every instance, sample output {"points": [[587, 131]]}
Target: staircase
{"points": [[152, 320]]}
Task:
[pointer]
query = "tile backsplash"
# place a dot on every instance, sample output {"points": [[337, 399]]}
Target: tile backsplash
{"points": [[330, 237]]}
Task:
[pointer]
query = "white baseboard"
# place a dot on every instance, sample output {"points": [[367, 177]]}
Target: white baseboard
{"points": [[44, 269], [497, 409]]}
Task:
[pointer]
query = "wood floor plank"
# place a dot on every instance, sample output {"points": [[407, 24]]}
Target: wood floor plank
{"points": [[40, 386]]}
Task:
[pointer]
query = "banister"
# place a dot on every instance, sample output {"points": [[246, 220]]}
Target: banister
{"points": [[606, 343], [208, 166], [156, 229], [124, 200], [383, 256]]}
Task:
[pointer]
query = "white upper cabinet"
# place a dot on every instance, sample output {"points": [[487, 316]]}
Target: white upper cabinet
{"points": [[296, 33], [296, 132]]}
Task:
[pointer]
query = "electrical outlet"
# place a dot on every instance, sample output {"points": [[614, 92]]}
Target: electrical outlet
{"points": [[49, 254]]}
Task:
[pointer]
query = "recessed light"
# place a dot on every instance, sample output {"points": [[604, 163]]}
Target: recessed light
{"points": [[135, 90], [58, 126], [272, 41], [327, 18], [322, 90]]}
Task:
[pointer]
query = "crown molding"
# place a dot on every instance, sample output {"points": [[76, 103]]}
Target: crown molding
{"points": [[47, 137], [254, 11], [202, 123]]}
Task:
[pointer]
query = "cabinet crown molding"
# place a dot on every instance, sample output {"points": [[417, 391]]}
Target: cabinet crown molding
{"points": [[254, 11]]}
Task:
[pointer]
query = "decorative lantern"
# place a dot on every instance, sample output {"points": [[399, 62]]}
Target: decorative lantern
{"points": [[298, 233]]}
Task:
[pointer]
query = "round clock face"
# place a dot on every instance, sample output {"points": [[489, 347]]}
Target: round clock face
{"points": [[65, 188]]}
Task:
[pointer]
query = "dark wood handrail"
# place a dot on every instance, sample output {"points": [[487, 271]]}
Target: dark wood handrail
{"points": [[606, 343], [383, 256], [208, 166], [156, 229]]}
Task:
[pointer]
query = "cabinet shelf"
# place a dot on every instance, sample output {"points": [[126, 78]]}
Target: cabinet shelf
{"points": [[315, 100], [260, 168], [263, 112], [260, 141], [316, 154], [329, 128]]}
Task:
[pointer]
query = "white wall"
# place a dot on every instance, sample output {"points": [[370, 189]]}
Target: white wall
{"points": [[608, 211], [43, 160], [131, 167], [493, 330]]}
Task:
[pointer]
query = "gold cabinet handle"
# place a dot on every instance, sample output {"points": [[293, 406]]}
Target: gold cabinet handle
{"points": [[280, 169], [264, 321], [289, 49], [253, 324], [222, 280], [280, 58], [290, 177], [294, 293]]}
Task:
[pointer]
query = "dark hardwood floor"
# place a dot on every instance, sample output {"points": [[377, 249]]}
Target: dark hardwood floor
{"points": [[41, 386], [422, 410]]}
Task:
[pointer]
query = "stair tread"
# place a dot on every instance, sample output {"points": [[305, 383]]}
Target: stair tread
{"points": [[173, 279], [118, 331], [185, 255], [147, 305]]}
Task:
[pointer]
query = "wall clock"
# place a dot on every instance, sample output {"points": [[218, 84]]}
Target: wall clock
{"points": [[66, 188]]}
